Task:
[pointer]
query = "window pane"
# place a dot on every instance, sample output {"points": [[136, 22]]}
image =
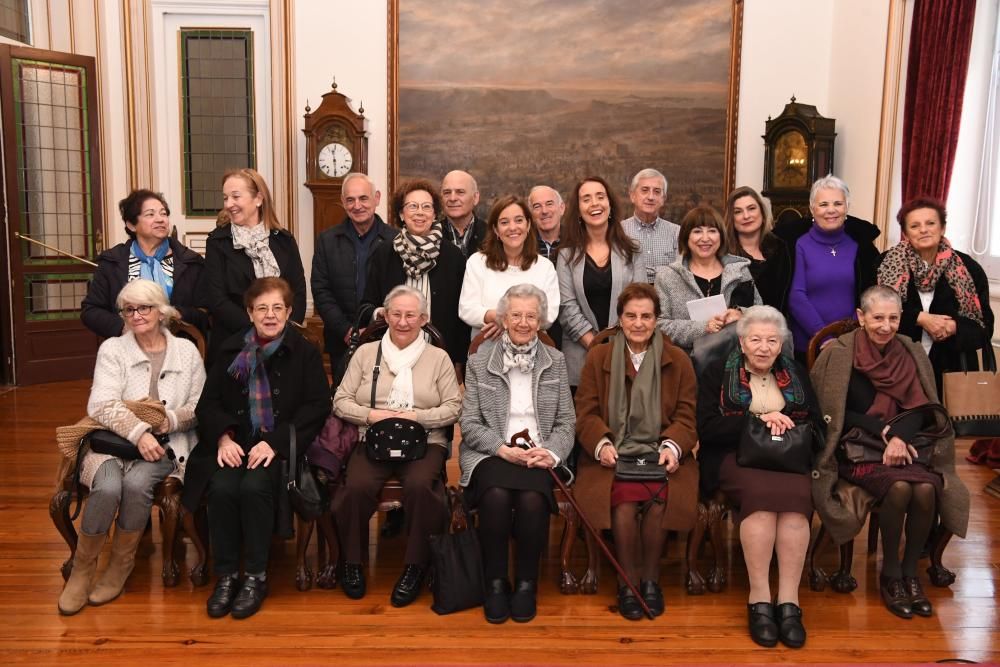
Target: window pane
{"points": [[14, 20], [218, 112]]}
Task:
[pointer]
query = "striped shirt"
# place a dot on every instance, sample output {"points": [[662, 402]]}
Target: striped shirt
{"points": [[657, 245]]}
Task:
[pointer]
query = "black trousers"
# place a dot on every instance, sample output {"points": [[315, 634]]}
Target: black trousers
{"points": [[423, 499], [241, 518]]}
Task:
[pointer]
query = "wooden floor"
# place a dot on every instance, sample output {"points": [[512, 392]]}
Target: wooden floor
{"points": [[153, 625]]}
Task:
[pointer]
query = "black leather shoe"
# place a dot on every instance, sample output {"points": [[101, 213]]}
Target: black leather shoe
{"points": [[628, 604], [653, 595], [790, 629], [496, 604], [353, 581], [250, 598], [221, 600], [919, 604], [407, 588], [763, 629], [523, 605], [895, 596]]}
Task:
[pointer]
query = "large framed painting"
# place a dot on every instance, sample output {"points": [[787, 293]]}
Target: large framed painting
{"points": [[523, 92]]}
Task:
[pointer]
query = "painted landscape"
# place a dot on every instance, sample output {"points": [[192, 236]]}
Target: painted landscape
{"points": [[515, 115]]}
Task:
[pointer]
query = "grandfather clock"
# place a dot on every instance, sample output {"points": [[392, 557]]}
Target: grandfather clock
{"points": [[336, 144], [798, 149]]}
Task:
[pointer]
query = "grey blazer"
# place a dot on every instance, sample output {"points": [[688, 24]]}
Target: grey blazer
{"points": [[575, 314], [487, 404], [675, 285]]}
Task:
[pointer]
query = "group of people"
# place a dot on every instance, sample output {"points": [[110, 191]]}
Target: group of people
{"points": [[612, 382]]}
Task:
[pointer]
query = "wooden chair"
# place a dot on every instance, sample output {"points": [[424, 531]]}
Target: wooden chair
{"points": [[568, 583], [166, 498], [842, 581]]}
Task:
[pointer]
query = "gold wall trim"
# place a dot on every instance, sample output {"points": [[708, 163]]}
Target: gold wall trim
{"points": [[99, 66], [147, 11], [888, 129], [290, 136], [133, 167], [72, 30]]}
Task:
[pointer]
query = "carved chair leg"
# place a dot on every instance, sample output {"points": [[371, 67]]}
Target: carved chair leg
{"points": [[817, 577], [590, 580], [938, 573], [303, 533], [327, 575], [168, 527], [842, 581], [59, 513], [197, 531], [695, 582], [568, 584], [716, 580]]}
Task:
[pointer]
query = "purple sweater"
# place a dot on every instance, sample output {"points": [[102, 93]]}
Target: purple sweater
{"points": [[822, 283]]}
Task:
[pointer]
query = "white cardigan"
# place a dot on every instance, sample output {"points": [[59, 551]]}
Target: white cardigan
{"points": [[122, 374], [483, 287]]}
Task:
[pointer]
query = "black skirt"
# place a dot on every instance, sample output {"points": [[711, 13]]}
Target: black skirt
{"points": [[494, 471]]}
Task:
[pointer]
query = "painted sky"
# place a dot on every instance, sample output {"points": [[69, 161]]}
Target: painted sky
{"points": [[638, 45]]}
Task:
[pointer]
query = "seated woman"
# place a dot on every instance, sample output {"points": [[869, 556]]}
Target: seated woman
{"points": [[514, 383], [151, 254], [864, 379], [509, 257], [637, 396], [146, 361], [702, 270], [757, 382], [418, 258], [946, 294], [416, 381], [269, 380]]}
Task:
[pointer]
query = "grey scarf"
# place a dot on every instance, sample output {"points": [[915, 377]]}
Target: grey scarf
{"points": [[254, 242], [635, 420]]}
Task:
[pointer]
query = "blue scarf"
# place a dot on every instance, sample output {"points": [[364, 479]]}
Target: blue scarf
{"points": [[248, 369], [151, 268]]}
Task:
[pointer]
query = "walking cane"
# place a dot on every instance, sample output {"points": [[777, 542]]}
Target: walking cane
{"points": [[523, 439]]}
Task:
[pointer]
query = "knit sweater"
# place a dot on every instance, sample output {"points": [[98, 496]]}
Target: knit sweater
{"points": [[483, 287], [822, 283]]}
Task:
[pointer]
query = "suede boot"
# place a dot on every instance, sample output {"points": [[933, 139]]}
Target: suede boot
{"points": [[77, 589], [112, 582]]}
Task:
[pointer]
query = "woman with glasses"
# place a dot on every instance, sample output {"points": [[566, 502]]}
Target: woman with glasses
{"points": [[268, 381], [146, 361], [151, 254], [418, 258]]}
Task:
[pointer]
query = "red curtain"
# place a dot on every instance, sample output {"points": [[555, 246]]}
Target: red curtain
{"points": [[940, 39]]}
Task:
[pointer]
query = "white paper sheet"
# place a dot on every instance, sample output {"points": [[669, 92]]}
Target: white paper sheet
{"points": [[701, 310]]}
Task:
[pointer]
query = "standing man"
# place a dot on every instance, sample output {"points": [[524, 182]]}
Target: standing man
{"points": [[547, 210], [656, 237], [461, 226], [340, 264]]}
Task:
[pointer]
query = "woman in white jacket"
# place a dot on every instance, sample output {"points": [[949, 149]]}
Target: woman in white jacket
{"points": [[146, 361]]}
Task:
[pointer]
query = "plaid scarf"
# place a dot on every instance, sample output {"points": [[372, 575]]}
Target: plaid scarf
{"points": [[248, 368], [419, 253], [735, 395]]}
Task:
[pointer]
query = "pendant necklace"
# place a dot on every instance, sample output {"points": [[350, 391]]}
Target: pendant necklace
{"points": [[833, 250]]}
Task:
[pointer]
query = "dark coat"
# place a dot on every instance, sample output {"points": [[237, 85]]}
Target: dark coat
{"points": [[385, 271], [773, 276], [677, 400], [946, 355], [229, 272], [720, 434], [300, 395], [476, 233], [866, 262], [98, 311], [334, 266]]}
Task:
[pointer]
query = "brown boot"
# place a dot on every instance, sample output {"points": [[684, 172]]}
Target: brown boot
{"points": [[77, 588], [112, 582]]}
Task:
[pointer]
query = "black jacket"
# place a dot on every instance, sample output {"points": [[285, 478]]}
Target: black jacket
{"points": [[334, 264], [229, 272], [475, 233], [385, 271], [773, 276], [866, 262], [946, 355], [300, 395], [98, 311]]}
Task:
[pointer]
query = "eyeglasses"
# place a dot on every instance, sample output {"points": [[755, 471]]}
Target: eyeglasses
{"points": [[530, 318], [278, 309], [150, 214], [130, 311], [413, 207]]}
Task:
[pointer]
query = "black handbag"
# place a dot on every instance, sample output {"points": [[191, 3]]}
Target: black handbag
{"points": [[393, 440], [308, 498], [792, 451], [860, 446], [103, 441], [457, 560], [640, 468]]}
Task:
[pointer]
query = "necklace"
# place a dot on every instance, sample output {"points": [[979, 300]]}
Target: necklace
{"points": [[833, 249]]}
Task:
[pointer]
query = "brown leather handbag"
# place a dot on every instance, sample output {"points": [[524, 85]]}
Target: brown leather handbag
{"points": [[860, 446]]}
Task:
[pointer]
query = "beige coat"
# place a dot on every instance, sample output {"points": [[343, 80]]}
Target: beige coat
{"points": [[842, 506]]}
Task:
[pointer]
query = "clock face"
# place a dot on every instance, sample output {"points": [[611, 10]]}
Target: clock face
{"points": [[335, 160], [791, 156]]}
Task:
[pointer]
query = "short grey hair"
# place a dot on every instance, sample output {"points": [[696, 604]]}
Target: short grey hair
{"points": [[829, 182], [535, 189], [762, 315], [406, 290], [355, 175], [649, 172], [880, 293], [525, 291], [147, 293]]}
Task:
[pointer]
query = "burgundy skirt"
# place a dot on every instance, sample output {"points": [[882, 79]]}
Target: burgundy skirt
{"points": [[623, 491], [756, 490], [876, 478]]}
